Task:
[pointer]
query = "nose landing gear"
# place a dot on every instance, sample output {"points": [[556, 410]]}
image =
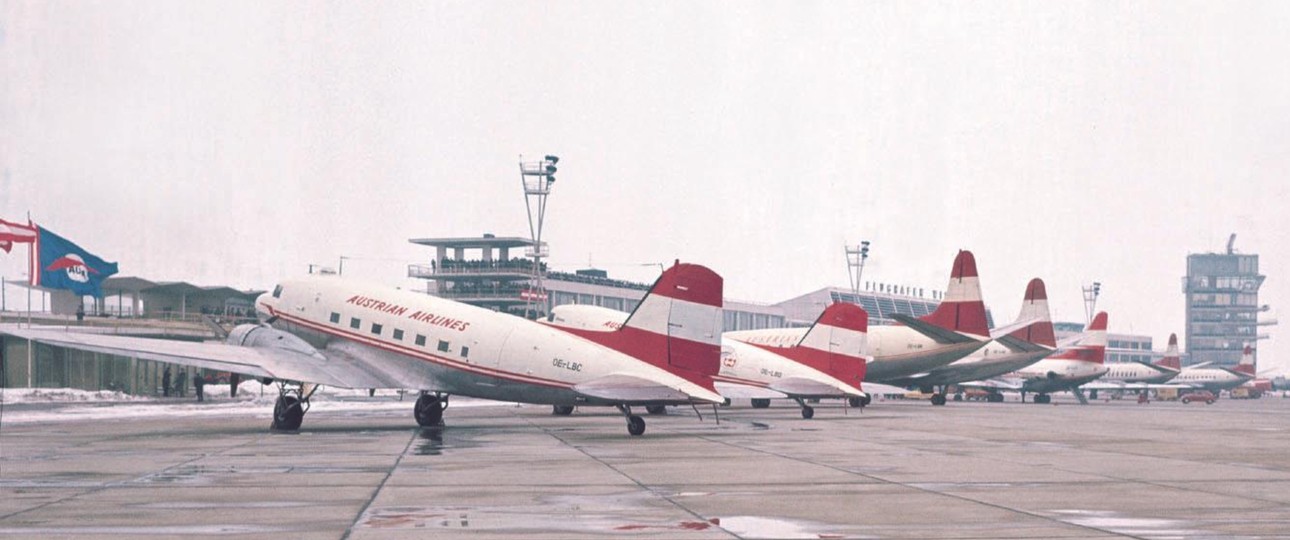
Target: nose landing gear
{"points": [[429, 409]]}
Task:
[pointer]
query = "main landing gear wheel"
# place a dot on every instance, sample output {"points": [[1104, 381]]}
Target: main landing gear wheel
{"points": [[429, 409], [808, 412], [938, 399], [287, 414], [562, 410], [292, 404], [1043, 398], [994, 397], [656, 409], [760, 403]]}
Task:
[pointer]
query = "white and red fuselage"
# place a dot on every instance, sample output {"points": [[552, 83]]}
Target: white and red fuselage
{"points": [[418, 341]]}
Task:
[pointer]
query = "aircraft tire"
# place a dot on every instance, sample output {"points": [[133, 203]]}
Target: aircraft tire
{"points": [[938, 399], [428, 411], [635, 425], [562, 410], [287, 414], [994, 398], [656, 409], [1043, 398], [808, 412], [760, 403]]}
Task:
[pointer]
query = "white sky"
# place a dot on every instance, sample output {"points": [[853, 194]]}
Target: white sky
{"points": [[237, 142]]}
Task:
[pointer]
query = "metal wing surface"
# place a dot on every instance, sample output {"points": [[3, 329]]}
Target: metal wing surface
{"points": [[254, 362]]}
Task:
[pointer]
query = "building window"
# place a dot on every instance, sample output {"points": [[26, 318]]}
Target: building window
{"points": [[421, 340], [398, 334], [376, 329], [465, 351], [355, 323], [335, 317], [443, 346]]}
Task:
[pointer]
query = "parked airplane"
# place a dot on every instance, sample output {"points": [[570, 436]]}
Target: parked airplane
{"points": [[827, 362], [956, 329], [1217, 379], [1066, 370], [330, 331], [1028, 340], [1141, 375]]}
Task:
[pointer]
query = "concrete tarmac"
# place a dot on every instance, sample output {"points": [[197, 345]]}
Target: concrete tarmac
{"points": [[896, 470]]}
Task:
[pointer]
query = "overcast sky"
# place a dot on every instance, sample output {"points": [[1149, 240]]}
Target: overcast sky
{"points": [[237, 142]]}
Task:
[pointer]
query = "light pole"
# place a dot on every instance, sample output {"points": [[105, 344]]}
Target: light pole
{"points": [[1090, 300], [537, 178], [856, 256]]}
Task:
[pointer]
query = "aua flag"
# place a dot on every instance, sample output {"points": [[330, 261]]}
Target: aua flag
{"points": [[64, 265]]}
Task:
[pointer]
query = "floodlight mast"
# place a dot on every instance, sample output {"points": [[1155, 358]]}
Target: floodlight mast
{"points": [[1090, 301], [856, 256], [537, 178]]}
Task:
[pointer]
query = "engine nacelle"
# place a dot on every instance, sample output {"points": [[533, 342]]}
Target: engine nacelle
{"points": [[254, 335]]}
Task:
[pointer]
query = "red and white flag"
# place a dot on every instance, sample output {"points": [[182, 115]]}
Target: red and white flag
{"points": [[15, 233]]}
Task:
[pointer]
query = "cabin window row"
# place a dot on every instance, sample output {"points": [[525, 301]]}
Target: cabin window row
{"points": [[378, 329]]}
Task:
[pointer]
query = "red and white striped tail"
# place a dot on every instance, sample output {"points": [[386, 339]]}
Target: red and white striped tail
{"points": [[962, 310], [1035, 307], [836, 344], [684, 309], [1172, 358], [1093, 347], [1247, 362]]}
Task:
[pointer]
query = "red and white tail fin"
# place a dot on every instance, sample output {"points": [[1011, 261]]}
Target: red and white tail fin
{"points": [[962, 309], [1172, 359], [1035, 307], [836, 344], [1093, 347], [677, 326], [1247, 362]]}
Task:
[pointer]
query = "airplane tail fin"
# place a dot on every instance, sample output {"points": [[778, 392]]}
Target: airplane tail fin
{"points": [[1093, 347], [1247, 362], [837, 343], [677, 326], [962, 309], [1034, 307], [1172, 359]]}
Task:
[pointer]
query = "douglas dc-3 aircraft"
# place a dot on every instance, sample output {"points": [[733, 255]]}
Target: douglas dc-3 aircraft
{"points": [[827, 362], [329, 331]]}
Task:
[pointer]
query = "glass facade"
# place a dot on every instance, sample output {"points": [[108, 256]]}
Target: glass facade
{"points": [[1222, 306]]}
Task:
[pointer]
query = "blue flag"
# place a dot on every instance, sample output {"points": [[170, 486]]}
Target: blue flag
{"points": [[64, 265]]}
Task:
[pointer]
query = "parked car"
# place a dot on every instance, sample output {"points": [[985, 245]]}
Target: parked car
{"points": [[1199, 395]]}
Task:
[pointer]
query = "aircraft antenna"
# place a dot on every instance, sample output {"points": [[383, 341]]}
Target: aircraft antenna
{"points": [[537, 177]]}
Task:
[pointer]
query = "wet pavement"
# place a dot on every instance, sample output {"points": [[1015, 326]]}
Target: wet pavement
{"points": [[897, 470]]}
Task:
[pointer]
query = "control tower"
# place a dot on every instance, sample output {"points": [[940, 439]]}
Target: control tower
{"points": [[1222, 294], [480, 271]]}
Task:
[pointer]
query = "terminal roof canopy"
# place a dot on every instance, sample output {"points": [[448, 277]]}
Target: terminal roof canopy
{"points": [[474, 242]]}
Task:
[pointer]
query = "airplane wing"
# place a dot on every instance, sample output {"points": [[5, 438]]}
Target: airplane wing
{"points": [[1001, 331], [254, 362], [993, 384], [801, 387], [623, 388], [944, 336], [1246, 376], [745, 391]]}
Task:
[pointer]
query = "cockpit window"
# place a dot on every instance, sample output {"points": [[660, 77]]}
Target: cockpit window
{"points": [[277, 291]]}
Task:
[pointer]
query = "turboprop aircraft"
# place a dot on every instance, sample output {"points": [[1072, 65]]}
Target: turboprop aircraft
{"points": [[1066, 370], [330, 331], [1141, 376], [1217, 379], [1028, 340], [828, 361], [956, 329]]}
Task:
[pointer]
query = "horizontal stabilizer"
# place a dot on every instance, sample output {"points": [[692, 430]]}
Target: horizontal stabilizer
{"points": [[941, 335], [1017, 344], [745, 391], [621, 388], [1162, 369], [807, 388]]}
